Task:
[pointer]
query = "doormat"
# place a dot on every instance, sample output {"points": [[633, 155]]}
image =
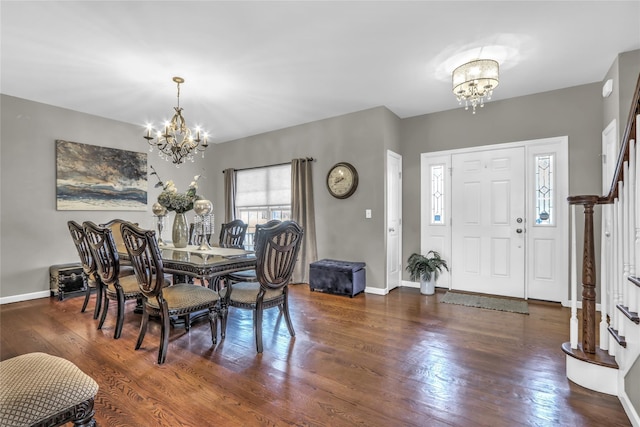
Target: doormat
{"points": [[490, 303]]}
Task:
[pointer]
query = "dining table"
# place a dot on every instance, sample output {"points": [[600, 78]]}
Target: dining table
{"points": [[194, 262]]}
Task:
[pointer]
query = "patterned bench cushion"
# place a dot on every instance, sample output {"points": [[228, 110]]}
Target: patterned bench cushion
{"points": [[36, 386]]}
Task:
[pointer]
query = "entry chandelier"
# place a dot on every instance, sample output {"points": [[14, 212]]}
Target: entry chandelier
{"points": [[475, 81], [176, 141]]}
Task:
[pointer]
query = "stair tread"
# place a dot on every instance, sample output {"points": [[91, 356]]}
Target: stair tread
{"points": [[600, 357]]}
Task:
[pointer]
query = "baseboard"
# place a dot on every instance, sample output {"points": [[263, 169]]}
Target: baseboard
{"points": [[408, 284], [629, 409], [25, 297], [375, 291]]}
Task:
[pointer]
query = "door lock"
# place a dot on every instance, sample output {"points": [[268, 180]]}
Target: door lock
{"points": [[519, 220]]}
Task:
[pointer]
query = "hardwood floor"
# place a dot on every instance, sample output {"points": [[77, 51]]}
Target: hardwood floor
{"points": [[396, 360]]}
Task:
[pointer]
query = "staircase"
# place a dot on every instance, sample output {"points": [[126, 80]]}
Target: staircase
{"points": [[606, 357]]}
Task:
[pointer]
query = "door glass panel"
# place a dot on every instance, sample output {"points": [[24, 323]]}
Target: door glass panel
{"points": [[437, 194], [544, 190]]}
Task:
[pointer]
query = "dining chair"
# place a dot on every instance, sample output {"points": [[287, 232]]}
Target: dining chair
{"points": [[175, 300], [232, 234], [114, 225], [195, 238], [277, 250], [249, 275], [88, 266], [115, 287]]}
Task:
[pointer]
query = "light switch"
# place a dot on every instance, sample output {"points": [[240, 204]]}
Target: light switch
{"points": [[367, 213]]}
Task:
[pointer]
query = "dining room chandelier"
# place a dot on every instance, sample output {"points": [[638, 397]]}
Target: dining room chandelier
{"points": [[177, 142], [475, 81]]}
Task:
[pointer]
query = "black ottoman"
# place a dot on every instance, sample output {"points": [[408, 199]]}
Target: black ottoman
{"points": [[337, 277]]}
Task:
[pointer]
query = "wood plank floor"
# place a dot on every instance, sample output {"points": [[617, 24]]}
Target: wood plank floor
{"points": [[396, 360]]}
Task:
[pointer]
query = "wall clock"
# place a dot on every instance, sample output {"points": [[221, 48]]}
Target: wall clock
{"points": [[342, 180]]}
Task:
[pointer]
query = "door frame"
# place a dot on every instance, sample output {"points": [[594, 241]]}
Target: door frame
{"points": [[442, 241], [393, 156]]}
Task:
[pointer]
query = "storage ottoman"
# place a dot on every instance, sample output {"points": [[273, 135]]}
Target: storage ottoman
{"points": [[65, 279], [337, 277]]}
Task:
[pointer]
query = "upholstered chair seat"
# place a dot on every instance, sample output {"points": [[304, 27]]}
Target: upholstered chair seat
{"points": [[247, 293], [183, 296], [43, 390], [129, 288]]}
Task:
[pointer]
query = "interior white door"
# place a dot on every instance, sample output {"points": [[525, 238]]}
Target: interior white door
{"points": [[488, 229], [394, 220]]}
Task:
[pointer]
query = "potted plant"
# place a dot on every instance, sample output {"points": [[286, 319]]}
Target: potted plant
{"points": [[427, 269]]}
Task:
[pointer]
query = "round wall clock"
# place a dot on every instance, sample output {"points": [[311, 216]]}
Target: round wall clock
{"points": [[342, 180]]}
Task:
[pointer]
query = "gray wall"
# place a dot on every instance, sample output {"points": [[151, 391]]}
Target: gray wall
{"points": [[33, 234], [575, 111], [358, 138]]}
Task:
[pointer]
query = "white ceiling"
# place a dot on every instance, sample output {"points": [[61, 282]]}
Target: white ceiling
{"points": [[252, 67]]}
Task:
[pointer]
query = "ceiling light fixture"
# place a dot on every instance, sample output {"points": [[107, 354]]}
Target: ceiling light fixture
{"points": [[176, 141], [475, 81]]}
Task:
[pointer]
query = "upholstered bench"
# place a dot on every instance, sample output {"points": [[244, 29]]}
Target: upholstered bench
{"points": [[38, 389], [337, 277]]}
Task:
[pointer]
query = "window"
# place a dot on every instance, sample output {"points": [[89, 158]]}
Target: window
{"points": [[544, 190], [437, 194], [263, 194]]}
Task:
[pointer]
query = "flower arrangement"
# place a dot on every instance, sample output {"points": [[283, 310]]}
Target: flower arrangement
{"points": [[174, 201]]}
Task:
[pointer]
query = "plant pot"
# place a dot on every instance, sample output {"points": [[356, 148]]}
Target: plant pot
{"points": [[427, 287]]}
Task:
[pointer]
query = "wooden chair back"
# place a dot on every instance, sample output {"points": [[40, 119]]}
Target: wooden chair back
{"points": [[145, 257], [114, 225], [82, 246], [232, 233], [277, 249], [104, 251]]}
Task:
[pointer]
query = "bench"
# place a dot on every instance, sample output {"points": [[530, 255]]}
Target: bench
{"points": [[337, 277]]}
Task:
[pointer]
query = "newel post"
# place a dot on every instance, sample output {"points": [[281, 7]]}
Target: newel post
{"points": [[588, 274]]}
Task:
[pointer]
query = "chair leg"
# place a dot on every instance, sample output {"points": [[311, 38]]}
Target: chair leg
{"points": [[287, 317], [87, 295], [224, 312], [104, 312], [187, 322], [257, 327], [120, 317], [213, 323], [164, 333], [143, 326], [99, 296]]}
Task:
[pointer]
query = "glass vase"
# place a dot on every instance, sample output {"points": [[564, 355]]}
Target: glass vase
{"points": [[180, 231]]}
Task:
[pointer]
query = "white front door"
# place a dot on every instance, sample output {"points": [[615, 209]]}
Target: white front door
{"points": [[488, 206], [394, 220]]}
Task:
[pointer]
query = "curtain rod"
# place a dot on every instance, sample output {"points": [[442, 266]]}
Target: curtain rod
{"points": [[306, 159]]}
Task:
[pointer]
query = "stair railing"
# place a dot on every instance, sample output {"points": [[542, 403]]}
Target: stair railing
{"points": [[618, 296]]}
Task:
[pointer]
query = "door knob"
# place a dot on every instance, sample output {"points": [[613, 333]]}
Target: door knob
{"points": [[519, 230], [391, 229]]}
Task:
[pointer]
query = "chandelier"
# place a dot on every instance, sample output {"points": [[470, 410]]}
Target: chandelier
{"points": [[176, 141], [475, 81]]}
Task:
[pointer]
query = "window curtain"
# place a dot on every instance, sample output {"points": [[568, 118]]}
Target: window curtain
{"points": [[229, 195], [303, 212]]}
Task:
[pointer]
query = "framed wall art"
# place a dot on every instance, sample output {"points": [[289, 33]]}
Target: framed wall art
{"points": [[92, 178]]}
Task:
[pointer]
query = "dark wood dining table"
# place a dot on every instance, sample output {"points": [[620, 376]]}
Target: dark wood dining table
{"points": [[208, 264]]}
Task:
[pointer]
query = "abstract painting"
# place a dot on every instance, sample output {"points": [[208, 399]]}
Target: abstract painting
{"points": [[92, 178]]}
